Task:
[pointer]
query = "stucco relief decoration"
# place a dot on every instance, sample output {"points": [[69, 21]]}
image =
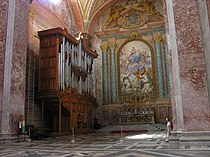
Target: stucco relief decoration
{"points": [[132, 14], [136, 69]]}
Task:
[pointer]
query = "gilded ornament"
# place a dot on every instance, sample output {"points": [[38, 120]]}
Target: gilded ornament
{"points": [[134, 35], [192, 70], [158, 38], [149, 7], [115, 13], [131, 3], [104, 47], [112, 44], [132, 15], [164, 38]]}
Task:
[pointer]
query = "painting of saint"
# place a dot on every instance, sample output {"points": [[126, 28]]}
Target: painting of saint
{"points": [[136, 69]]}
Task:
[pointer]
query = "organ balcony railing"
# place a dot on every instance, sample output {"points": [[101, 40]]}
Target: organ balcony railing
{"points": [[66, 63]]}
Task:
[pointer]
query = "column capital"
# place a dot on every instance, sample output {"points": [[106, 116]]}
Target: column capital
{"points": [[164, 38], [104, 47], [158, 38], [112, 43]]}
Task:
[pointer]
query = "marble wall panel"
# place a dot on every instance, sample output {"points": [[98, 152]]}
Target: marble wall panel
{"points": [[208, 7], [18, 73], [171, 74], [3, 30], [191, 65], [162, 112]]}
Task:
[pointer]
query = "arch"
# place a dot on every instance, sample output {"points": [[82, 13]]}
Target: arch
{"points": [[75, 9], [138, 69], [100, 11]]}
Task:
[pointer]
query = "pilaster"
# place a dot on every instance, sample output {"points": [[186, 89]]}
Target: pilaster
{"points": [[13, 100], [159, 65], [105, 72], [113, 81]]}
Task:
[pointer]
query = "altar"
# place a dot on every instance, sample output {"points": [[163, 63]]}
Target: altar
{"points": [[136, 115]]}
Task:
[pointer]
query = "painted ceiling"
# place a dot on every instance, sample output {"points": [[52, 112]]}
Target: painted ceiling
{"points": [[88, 7], [91, 10]]}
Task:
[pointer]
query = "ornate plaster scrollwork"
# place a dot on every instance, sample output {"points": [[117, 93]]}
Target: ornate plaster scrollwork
{"points": [[115, 13], [135, 35], [134, 19], [148, 7], [132, 15]]}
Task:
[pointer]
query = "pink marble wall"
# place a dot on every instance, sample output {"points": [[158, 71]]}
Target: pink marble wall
{"points": [[17, 98], [3, 30], [208, 8], [192, 69]]}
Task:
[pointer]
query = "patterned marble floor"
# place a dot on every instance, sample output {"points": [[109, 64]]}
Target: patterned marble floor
{"points": [[106, 144]]}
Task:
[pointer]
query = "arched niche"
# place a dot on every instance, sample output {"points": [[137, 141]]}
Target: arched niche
{"points": [[136, 69]]}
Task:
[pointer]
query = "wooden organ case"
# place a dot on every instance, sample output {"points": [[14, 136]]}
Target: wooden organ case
{"points": [[66, 80]]}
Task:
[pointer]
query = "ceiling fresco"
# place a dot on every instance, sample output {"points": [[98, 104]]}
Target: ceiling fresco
{"points": [[86, 13], [85, 7], [91, 10]]}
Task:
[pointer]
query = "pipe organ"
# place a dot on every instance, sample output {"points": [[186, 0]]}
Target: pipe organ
{"points": [[66, 75]]}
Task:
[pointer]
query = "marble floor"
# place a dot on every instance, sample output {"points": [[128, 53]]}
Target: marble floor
{"points": [[103, 143]]}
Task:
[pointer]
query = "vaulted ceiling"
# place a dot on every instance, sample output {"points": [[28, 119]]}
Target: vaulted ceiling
{"points": [[86, 12]]}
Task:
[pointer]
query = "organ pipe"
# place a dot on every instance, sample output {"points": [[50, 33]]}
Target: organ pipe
{"points": [[67, 64], [75, 66], [85, 66], [63, 60], [72, 55], [59, 70], [79, 54]]}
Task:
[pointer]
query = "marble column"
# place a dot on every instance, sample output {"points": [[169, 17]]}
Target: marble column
{"points": [[159, 66], [175, 81], [13, 54], [5, 85], [166, 68], [204, 11], [113, 81], [105, 72], [189, 88]]}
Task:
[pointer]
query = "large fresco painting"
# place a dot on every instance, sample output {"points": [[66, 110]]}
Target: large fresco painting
{"points": [[136, 69]]}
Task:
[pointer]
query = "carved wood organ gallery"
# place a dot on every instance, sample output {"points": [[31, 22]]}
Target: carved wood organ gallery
{"points": [[66, 76]]}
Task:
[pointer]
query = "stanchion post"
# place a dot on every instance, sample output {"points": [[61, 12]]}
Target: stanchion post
{"points": [[72, 141], [121, 134]]}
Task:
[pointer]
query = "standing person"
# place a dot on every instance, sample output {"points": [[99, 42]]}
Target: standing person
{"points": [[168, 129]]}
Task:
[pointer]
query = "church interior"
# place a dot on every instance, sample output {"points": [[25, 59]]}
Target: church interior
{"points": [[81, 65]]}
